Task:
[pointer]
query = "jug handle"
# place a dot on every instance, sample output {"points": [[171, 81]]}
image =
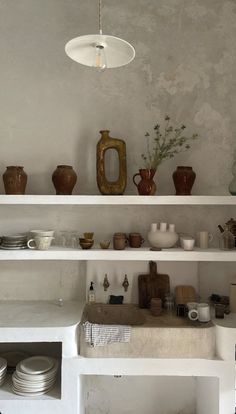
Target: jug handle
{"points": [[135, 175]]}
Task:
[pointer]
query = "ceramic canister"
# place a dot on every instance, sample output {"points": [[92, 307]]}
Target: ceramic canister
{"points": [[119, 241], [135, 240]]}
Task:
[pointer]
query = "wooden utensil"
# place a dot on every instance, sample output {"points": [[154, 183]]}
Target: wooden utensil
{"points": [[152, 285]]}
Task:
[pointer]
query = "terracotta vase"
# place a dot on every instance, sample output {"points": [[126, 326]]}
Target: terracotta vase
{"points": [[104, 144], [184, 178], [146, 186], [64, 179], [15, 180]]}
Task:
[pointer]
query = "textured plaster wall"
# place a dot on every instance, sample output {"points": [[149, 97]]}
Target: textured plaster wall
{"points": [[51, 111], [53, 108]]}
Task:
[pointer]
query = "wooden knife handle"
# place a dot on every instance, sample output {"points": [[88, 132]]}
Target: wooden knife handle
{"points": [[153, 267]]}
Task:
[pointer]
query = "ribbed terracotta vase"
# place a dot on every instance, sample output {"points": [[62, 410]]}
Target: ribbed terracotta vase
{"points": [[184, 178], [15, 180], [64, 179]]}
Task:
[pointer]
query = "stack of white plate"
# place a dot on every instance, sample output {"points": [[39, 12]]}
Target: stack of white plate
{"points": [[35, 376], [3, 370], [14, 242]]}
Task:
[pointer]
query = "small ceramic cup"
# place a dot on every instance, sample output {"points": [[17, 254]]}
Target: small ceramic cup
{"points": [[40, 243], [135, 240], [119, 241], [204, 238], [105, 244], [187, 242]]}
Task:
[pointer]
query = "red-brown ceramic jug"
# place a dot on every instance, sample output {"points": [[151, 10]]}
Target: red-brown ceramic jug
{"points": [[146, 186]]}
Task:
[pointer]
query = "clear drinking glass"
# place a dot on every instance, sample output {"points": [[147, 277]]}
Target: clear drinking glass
{"points": [[62, 238], [169, 303]]}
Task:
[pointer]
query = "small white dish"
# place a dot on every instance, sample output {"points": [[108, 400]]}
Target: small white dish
{"points": [[30, 394], [36, 365]]}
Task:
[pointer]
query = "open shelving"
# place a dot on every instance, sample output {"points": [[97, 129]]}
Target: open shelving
{"points": [[48, 322], [129, 254], [199, 200]]}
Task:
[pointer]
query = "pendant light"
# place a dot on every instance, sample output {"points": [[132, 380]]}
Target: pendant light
{"points": [[100, 51]]}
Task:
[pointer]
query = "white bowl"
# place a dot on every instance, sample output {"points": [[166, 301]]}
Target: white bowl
{"points": [[42, 233], [162, 239]]}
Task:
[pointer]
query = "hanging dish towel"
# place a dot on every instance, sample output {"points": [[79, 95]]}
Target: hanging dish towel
{"points": [[101, 335]]}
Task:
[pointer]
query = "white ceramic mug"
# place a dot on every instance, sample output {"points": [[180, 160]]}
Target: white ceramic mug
{"points": [[187, 243], [202, 313], [40, 243], [204, 238]]}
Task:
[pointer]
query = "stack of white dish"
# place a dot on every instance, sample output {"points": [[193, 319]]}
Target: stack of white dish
{"points": [[3, 370], [14, 242], [35, 376]]}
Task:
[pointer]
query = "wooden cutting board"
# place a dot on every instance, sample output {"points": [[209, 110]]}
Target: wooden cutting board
{"points": [[185, 294], [152, 285]]}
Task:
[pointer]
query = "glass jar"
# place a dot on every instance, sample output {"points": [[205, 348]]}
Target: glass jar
{"points": [[169, 303], [219, 311], [227, 239]]}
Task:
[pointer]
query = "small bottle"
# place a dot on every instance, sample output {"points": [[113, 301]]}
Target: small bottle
{"points": [[91, 294]]}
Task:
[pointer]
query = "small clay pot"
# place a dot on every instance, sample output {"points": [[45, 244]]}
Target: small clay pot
{"points": [[64, 179], [184, 178], [15, 180], [119, 241], [135, 240]]}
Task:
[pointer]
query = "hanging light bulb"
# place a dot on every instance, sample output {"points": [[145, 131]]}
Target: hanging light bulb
{"points": [[100, 58], [99, 50]]}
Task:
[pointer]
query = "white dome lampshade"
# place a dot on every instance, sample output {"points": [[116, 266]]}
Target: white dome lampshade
{"points": [[99, 50]]}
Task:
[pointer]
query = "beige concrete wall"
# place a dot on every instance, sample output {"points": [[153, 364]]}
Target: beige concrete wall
{"points": [[51, 110]]}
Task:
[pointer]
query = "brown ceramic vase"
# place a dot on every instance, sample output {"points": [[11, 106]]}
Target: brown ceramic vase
{"points": [[106, 143], [184, 178], [146, 186], [64, 179], [15, 180]]}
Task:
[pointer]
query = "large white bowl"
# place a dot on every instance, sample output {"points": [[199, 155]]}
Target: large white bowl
{"points": [[162, 239]]}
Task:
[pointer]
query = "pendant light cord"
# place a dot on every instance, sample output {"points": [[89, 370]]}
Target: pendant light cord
{"points": [[100, 16]]}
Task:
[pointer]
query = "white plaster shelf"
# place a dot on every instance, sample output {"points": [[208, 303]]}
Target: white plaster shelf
{"points": [[151, 366], [41, 321], [142, 254], [116, 200]]}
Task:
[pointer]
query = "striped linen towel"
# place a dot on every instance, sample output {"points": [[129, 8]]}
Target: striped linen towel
{"points": [[101, 335]]}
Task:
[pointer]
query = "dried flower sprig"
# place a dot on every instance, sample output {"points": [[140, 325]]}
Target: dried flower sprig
{"points": [[165, 144]]}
